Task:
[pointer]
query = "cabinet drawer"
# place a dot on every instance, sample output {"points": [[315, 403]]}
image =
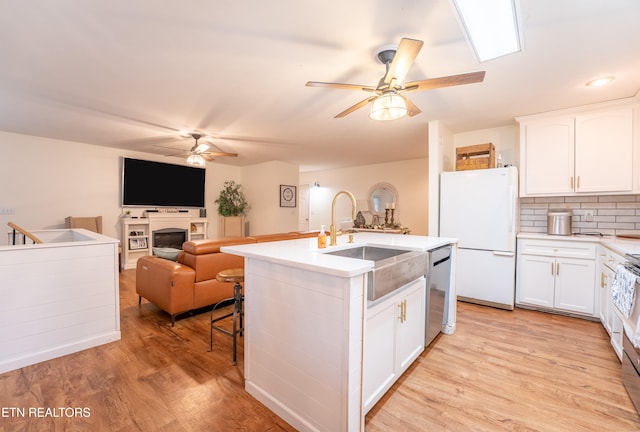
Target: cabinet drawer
{"points": [[558, 248], [610, 258]]}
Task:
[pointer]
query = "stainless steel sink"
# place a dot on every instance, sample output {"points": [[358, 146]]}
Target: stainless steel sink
{"points": [[392, 268]]}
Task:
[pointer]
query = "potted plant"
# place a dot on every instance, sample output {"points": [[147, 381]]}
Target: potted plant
{"points": [[232, 205]]}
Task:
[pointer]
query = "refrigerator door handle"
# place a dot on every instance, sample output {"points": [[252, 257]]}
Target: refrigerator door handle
{"points": [[507, 254]]}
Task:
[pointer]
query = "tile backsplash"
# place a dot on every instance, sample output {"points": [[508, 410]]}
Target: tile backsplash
{"points": [[612, 214]]}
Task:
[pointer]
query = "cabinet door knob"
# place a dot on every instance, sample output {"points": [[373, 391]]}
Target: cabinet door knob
{"points": [[557, 268]]}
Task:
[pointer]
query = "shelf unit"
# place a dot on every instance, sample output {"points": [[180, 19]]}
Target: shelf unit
{"points": [[198, 229], [132, 244]]}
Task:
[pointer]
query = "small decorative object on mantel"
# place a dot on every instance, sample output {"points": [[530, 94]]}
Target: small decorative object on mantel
{"points": [[287, 196], [231, 201]]}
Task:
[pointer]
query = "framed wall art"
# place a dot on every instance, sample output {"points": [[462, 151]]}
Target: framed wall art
{"points": [[287, 196], [137, 243]]}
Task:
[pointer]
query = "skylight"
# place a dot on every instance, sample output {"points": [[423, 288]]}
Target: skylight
{"points": [[491, 26]]}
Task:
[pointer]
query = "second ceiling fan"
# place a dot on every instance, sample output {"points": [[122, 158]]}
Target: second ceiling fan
{"points": [[388, 101]]}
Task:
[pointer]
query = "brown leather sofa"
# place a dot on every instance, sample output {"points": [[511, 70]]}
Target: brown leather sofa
{"points": [[190, 283]]}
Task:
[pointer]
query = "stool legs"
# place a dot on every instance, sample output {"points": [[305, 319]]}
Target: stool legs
{"points": [[237, 317], [237, 314]]}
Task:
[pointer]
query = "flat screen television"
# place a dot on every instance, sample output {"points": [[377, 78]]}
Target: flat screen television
{"points": [[157, 184]]}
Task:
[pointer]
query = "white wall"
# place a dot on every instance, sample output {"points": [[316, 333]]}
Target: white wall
{"points": [[441, 158], [261, 184], [409, 177], [505, 139], [43, 180]]}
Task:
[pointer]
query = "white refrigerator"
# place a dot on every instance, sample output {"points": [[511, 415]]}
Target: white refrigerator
{"points": [[480, 208]]}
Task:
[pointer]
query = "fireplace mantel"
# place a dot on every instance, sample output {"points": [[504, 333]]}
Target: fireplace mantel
{"points": [[137, 233]]}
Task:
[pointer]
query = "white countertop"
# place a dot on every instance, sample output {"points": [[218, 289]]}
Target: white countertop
{"points": [[619, 245], [304, 253]]}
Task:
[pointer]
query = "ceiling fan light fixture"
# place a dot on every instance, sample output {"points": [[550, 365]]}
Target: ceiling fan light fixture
{"points": [[389, 106], [196, 160]]}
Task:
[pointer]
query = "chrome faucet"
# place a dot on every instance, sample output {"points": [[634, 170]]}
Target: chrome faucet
{"points": [[332, 228]]}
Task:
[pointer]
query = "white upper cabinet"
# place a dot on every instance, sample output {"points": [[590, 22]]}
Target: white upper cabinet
{"points": [[604, 151], [589, 151], [547, 151]]}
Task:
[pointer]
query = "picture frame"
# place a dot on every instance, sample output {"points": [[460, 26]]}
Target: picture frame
{"points": [[137, 243], [288, 196]]}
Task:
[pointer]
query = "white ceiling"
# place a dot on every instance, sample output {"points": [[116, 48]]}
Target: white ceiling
{"points": [[132, 74]]}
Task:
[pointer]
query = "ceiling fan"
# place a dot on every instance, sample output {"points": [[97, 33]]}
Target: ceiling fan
{"points": [[388, 101], [199, 153]]}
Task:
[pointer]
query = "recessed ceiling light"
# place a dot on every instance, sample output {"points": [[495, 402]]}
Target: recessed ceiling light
{"points": [[600, 81]]}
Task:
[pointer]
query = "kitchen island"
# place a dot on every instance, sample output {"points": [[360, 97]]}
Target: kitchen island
{"points": [[305, 326]]}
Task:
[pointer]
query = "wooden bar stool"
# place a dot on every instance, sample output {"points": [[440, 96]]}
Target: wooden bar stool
{"points": [[236, 276]]}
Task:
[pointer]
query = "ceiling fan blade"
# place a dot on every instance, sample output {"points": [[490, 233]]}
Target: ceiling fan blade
{"points": [[207, 157], [412, 109], [355, 107], [227, 154], [341, 86], [448, 81], [181, 154], [402, 60]]}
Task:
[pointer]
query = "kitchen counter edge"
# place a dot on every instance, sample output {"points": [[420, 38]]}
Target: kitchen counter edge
{"points": [[304, 253]]}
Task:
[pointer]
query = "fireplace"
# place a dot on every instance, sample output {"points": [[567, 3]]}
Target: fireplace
{"points": [[169, 238]]}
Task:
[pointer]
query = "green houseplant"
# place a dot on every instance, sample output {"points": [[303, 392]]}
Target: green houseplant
{"points": [[231, 201]]}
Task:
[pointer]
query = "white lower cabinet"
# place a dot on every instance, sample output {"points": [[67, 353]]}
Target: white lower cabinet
{"points": [[557, 275], [394, 338], [610, 317]]}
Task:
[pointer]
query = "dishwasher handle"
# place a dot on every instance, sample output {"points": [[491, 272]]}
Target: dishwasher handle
{"points": [[441, 261]]}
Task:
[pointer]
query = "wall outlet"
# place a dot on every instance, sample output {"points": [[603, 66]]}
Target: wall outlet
{"points": [[588, 215]]}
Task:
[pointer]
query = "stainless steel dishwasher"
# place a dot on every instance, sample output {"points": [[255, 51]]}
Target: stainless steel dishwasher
{"points": [[439, 277]]}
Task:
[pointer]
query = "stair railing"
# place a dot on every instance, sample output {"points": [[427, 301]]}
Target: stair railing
{"points": [[25, 234]]}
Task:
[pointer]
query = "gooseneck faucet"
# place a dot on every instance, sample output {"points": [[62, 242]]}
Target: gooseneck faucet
{"points": [[332, 229]]}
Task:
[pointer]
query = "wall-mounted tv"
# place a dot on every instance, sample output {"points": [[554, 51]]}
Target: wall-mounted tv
{"points": [[157, 184]]}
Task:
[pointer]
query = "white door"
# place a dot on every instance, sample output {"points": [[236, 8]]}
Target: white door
{"points": [[487, 275], [303, 213], [478, 208]]}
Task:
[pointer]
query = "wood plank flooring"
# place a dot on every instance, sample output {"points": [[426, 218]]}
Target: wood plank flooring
{"points": [[512, 371]]}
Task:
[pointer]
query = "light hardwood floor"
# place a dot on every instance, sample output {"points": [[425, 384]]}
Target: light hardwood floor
{"points": [[512, 371]]}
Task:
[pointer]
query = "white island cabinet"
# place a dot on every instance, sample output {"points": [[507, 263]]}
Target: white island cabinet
{"points": [[394, 338], [306, 324]]}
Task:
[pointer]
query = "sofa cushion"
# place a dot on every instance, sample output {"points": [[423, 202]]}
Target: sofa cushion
{"points": [[167, 253]]}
